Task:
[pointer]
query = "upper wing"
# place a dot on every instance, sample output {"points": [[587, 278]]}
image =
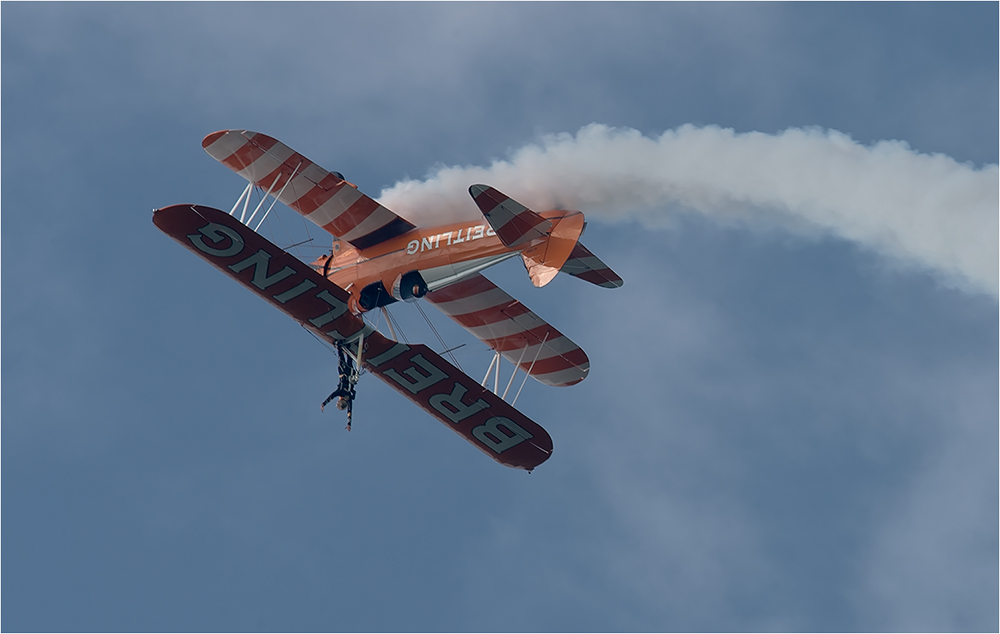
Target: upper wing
{"points": [[415, 371], [587, 266], [323, 197], [507, 326]]}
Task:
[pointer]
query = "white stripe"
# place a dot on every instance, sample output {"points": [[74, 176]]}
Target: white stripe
{"points": [[225, 145], [296, 189], [377, 219], [554, 347], [338, 204], [507, 326], [502, 328], [591, 263], [314, 173], [503, 213], [492, 298], [267, 163]]}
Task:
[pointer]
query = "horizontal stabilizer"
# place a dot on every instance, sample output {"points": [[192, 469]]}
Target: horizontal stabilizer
{"points": [[317, 304], [513, 223], [587, 266]]}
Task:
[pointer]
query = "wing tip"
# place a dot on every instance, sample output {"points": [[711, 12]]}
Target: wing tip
{"points": [[212, 138]]}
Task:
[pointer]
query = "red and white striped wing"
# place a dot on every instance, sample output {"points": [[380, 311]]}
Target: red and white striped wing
{"points": [[507, 326], [587, 266], [323, 197]]}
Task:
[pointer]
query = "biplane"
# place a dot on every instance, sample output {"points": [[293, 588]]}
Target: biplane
{"points": [[378, 258]]}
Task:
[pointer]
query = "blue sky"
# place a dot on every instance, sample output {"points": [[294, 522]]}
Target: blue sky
{"points": [[783, 429]]}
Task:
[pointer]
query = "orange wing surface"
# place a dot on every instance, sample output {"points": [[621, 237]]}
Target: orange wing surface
{"points": [[507, 326], [323, 197], [415, 371]]}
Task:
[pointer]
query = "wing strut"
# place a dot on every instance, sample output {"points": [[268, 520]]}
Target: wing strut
{"points": [[496, 360], [388, 322], [261, 203], [274, 202], [495, 369], [245, 199], [245, 194], [526, 374], [514, 373]]}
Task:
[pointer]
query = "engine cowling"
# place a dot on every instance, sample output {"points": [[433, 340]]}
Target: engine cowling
{"points": [[409, 287], [371, 297]]}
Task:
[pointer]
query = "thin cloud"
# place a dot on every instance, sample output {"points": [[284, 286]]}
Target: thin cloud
{"points": [[922, 209]]}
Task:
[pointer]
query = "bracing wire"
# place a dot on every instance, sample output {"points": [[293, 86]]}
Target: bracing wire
{"points": [[288, 233], [308, 231], [440, 339], [326, 344], [294, 244], [395, 324], [271, 232], [299, 243]]}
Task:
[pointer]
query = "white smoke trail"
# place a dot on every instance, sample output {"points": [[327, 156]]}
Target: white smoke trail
{"points": [[918, 208]]}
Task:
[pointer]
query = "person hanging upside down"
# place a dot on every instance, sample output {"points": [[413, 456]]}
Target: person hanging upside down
{"points": [[345, 388]]}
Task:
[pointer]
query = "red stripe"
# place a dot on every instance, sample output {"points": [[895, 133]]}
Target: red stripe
{"points": [[519, 225], [579, 252], [319, 195], [461, 290], [283, 172], [491, 315], [595, 277], [352, 216], [491, 195], [249, 152], [212, 138], [531, 337], [572, 359]]}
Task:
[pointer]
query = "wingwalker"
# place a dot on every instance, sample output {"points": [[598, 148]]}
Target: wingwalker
{"points": [[378, 258]]}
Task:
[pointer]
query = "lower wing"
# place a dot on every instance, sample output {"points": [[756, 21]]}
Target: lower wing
{"points": [[415, 371], [507, 326]]}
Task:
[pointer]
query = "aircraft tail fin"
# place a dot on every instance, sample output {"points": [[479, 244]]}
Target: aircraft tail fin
{"points": [[544, 260], [560, 249], [554, 234], [513, 223]]}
